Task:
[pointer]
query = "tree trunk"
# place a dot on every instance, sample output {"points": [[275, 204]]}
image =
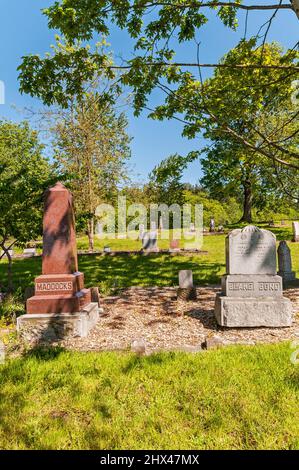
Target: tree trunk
{"points": [[9, 267], [9, 273], [90, 233], [247, 205]]}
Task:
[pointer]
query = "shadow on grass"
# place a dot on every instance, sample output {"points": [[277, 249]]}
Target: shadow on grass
{"points": [[44, 353], [138, 362], [125, 271]]}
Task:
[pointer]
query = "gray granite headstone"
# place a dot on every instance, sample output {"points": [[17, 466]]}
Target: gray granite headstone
{"points": [[251, 251], [185, 279], [251, 290], [285, 262], [150, 241]]}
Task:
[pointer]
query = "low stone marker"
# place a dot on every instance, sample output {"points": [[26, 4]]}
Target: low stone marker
{"points": [[285, 263], [251, 290], [150, 241], [61, 305], [174, 245], [295, 231], [29, 252], [186, 290]]}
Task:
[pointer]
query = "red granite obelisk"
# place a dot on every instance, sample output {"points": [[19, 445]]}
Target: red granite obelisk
{"points": [[60, 288]]}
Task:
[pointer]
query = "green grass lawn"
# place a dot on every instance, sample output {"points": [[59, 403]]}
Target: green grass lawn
{"points": [[155, 269], [235, 398]]}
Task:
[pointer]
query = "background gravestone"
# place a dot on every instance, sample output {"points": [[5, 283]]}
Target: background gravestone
{"points": [[251, 290], [150, 241], [285, 262], [295, 231], [186, 290]]}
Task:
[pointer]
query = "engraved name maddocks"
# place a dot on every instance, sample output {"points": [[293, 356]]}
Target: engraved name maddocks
{"points": [[50, 286]]}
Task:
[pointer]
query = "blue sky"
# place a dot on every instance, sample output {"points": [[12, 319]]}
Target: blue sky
{"points": [[24, 30]]}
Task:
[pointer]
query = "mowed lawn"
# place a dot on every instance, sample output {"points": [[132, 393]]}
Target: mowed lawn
{"points": [[138, 270], [234, 398]]}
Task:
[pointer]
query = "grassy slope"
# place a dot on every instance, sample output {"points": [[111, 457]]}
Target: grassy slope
{"points": [[236, 398]]}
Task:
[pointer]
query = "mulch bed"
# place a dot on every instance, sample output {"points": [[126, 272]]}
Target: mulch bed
{"points": [[155, 316]]}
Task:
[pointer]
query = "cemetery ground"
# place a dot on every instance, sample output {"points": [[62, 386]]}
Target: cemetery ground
{"points": [[76, 395], [234, 398]]}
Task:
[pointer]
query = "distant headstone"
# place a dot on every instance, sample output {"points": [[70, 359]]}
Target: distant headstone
{"points": [[283, 222], [192, 227], [174, 245], [29, 252], [212, 225], [186, 290], [150, 241], [251, 290], [295, 231], [285, 262], [107, 249], [141, 231]]}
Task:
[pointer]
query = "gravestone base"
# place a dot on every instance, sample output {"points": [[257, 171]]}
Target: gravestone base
{"points": [[186, 293], [240, 312], [47, 327], [251, 285]]}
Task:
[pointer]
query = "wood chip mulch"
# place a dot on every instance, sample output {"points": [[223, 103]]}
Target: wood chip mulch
{"points": [[155, 316]]}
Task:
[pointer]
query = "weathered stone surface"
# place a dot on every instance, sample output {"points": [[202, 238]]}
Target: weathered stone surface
{"points": [[251, 285], [285, 262], [138, 346], [214, 342], [251, 251], [36, 328], [250, 312], [295, 231], [185, 279]]}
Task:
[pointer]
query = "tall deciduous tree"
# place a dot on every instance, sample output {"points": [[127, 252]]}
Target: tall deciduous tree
{"points": [[165, 185], [24, 175], [91, 146]]}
